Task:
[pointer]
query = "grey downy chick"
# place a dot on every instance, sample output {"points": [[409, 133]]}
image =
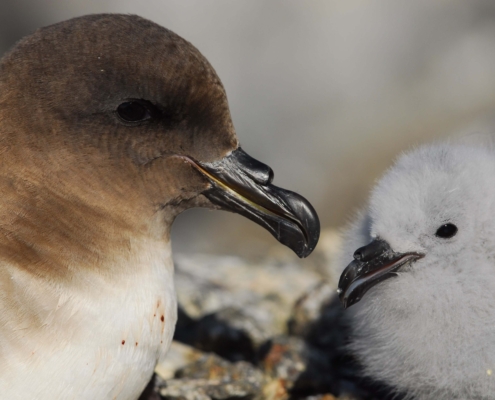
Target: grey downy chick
{"points": [[429, 330]]}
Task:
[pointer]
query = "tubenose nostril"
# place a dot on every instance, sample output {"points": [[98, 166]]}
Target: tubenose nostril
{"points": [[375, 248], [358, 255]]}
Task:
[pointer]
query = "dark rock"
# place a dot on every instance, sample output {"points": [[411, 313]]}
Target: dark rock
{"points": [[230, 333], [328, 331], [150, 392], [185, 329]]}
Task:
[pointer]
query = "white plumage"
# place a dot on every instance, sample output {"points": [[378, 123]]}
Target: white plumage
{"points": [[102, 340]]}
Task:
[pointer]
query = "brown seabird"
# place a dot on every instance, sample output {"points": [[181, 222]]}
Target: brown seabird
{"points": [[110, 126]]}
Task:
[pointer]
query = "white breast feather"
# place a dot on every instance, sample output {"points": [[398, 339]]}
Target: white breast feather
{"points": [[98, 342]]}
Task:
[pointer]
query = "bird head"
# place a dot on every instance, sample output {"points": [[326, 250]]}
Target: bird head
{"points": [[121, 118], [428, 213]]}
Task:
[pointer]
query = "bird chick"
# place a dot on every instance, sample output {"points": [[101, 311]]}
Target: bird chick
{"points": [[110, 126], [423, 275]]}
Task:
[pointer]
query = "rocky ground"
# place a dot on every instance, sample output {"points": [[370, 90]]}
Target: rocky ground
{"points": [[267, 329]]}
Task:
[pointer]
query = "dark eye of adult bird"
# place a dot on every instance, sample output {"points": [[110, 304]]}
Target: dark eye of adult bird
{"points": [[446, 231], [133, 111]]}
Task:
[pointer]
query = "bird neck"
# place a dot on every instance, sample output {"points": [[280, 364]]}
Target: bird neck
{"points": [[55, 231]]}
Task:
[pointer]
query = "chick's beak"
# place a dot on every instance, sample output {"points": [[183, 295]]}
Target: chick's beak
{"points": [[243, 185], [372, 264]]}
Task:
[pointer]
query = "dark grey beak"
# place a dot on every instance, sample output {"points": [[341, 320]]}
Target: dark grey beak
{"points": [[372, 264], [243, 185]]}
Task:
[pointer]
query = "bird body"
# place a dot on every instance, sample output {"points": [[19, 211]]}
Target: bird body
{"points": [[426, 326], [110, 126], [101, 340]]}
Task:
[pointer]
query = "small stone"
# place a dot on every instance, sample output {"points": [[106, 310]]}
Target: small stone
{"points": [[178, 356], [299, 367], [205, 389], [181, 389], [275, 390], [212, 367], [232, 390], [212, 378]]}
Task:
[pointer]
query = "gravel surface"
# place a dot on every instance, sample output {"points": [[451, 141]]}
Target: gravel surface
{"points": [[266, 329]]}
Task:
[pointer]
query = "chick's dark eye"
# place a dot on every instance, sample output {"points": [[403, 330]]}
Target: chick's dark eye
{"points": [[446, 231], [133, 111]]}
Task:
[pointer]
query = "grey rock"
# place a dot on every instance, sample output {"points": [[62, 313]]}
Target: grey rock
{"points": [[308, 308], [210, 377], [213, 367], [206, 389], [232, 390], [182, 389], [264, 291]]}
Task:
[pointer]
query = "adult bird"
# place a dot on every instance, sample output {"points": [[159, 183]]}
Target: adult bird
{"points": [[110, 126], [423, 275]]}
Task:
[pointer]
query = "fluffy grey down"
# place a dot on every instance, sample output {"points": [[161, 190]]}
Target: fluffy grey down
{"points": [[430, 331]]}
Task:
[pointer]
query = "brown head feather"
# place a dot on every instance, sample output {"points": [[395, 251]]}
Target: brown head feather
{"points": [[77, 182]]}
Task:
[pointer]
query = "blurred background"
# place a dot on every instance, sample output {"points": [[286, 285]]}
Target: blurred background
{"points": [[327, 92]]}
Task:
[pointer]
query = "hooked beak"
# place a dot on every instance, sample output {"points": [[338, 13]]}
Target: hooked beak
{"points": [[372, 264], [243, 185]]}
